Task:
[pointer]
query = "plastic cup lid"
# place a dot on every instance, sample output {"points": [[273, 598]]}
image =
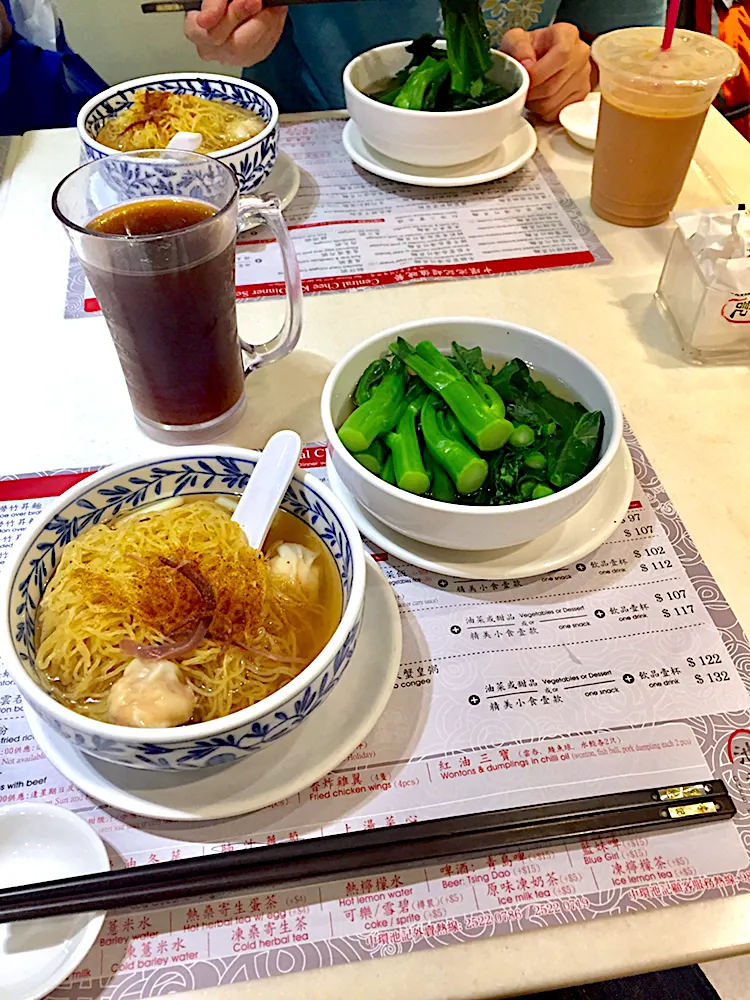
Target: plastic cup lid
{"points": [[694, 61]]}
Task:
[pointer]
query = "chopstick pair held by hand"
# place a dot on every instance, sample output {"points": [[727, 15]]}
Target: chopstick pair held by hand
{"points": [[183, 6]]}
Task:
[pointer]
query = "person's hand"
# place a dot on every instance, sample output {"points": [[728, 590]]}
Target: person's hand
{"points": [[6, 29], [240, 33], [558, 61]]}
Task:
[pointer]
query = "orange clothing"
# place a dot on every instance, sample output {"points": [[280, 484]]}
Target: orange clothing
{"points": [[734, 29]]}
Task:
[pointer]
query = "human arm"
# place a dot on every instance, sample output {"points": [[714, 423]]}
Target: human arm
{"points": [[240, 33], [40, 88], [558, 56]]}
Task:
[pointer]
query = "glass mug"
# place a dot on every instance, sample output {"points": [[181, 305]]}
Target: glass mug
{"points": [[169, 296]]}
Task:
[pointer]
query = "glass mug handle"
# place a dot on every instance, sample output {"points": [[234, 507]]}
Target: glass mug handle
{"points": [[267, 208]]}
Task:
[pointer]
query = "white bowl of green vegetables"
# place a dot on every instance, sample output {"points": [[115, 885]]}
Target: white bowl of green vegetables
{"points": [[434, 102], [469, 433]]}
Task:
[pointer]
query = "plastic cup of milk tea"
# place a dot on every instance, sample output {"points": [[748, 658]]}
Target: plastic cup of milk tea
{"points": [[653, 106]]}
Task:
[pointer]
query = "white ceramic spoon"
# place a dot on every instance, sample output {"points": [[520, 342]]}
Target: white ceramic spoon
{"points": [[189, 141], [265, 491]]}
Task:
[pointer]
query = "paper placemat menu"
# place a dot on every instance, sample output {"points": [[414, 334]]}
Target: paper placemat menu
{"points": [[623, 671], [353, 230]]}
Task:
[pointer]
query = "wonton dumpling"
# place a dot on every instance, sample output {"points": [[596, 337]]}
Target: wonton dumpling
{"points": [[151, 694], [297, 565]]}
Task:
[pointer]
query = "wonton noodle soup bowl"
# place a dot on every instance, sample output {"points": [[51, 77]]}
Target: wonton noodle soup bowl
{"points": [[252, 160], [120, 490]]}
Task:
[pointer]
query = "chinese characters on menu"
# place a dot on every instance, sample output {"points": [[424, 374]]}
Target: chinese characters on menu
{"points": [[352, 230], [618, 651]]}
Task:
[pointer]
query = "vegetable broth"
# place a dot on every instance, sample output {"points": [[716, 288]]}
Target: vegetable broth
{"points": [[453, 427]]}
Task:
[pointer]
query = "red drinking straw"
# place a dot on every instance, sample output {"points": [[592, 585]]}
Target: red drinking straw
{"points": [[672, 11]]}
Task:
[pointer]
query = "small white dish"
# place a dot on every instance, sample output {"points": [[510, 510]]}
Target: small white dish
{"points": [[283, 181], [517, 147], [580, 120], [280, 770], [573, 539], [40, 843]]}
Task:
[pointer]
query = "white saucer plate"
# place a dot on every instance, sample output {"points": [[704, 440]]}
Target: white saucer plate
{"points": [[581, 120], [283, 181], [512, 153], [281, 770], [571, 540], [40, 843]]}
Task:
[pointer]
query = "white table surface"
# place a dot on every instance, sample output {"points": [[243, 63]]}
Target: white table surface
{"points": [[63, 403]]}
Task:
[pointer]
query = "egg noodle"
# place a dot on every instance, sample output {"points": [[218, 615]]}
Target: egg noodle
{"points": [[113, 584], [155, 117]]}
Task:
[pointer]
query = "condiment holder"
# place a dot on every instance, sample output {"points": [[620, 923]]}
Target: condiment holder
{"points": [[704, 289]]}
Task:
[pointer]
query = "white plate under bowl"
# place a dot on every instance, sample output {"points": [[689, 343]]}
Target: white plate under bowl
{"points": [[512, 153], [283, 181], [40, 843], [581, 120], [282, 769], [569, 541]]}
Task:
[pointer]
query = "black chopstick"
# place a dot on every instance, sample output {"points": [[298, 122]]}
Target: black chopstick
{"points": [[175, 6], [345, 856]]}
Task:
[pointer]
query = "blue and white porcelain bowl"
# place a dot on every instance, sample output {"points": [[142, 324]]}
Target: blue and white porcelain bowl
{"points": [[120, 489], [252, 160]]}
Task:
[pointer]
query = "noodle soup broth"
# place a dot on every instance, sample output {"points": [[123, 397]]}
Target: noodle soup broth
{"points": [[156, 116], [166, 616]]}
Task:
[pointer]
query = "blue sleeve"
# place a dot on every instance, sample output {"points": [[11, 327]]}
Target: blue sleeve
{"points": [[304, 71], [594, 17], [43, 89]]}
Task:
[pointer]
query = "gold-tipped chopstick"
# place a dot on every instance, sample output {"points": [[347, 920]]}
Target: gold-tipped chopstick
{"points": [[345, 856]]}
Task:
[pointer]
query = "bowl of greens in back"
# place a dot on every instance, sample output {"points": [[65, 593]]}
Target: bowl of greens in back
{"points": [[469, 433], [403, 100]]}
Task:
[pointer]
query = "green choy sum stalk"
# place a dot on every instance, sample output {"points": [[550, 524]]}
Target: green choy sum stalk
{"points": [[476, 406], [371, 377], [373, 458], [449, 449], [468, 45], [408, 465], [412, 96], [387, 474], [442, 487], [379, 414]]}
